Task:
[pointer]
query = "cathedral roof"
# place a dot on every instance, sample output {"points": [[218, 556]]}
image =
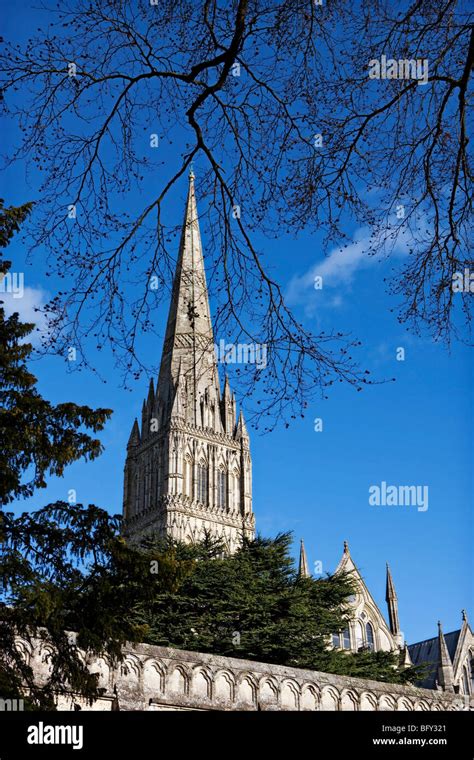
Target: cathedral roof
{"points": [[428, 652], [424, 651]]}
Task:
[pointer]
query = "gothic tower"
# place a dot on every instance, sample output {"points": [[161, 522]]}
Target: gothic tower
{"points": [[188, 469]]}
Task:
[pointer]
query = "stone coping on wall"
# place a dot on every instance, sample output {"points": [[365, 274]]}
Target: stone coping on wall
{"points": [[153, 677]]}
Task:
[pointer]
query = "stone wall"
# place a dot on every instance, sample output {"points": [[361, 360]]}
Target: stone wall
{"points": [[159, 678]]}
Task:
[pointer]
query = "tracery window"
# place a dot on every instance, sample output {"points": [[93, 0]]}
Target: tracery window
{"points": [[346, 638], [370, 636], [222, 489], [465, 678], [202, 483], [188, 477]]}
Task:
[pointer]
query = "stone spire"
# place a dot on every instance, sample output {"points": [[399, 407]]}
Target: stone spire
{"points": [[241, 432], [445, 666], [303, 570], [188, 473], [134, 438], [392, 604], [189, 339]]}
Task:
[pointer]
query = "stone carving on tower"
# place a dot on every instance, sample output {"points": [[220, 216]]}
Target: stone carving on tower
{"points": [[188, 469]]}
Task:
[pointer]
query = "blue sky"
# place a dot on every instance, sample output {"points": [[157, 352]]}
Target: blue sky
{"points": [[414, 431]]}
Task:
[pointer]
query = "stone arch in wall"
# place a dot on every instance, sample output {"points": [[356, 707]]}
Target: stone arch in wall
{"points": [[129, 672], [201, 684], [422, 705], [40, 661], [329, 698], [224, 686], [349, 700], [177, 681], [247, 689], [309, 697], [100, 666], [153, 677], [289, 695], [368, 702], [268, 691], [386, 703], [24, 648]]}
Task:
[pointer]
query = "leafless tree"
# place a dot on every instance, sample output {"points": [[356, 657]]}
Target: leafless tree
{"points": [[273, 101]]}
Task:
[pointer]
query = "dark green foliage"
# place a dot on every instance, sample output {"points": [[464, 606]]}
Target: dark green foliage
{"points": [[39, 579], [252, 605], [65, 568], [36, 437]]}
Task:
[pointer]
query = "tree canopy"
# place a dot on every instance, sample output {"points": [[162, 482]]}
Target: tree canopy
{"points": [[275, 102]]}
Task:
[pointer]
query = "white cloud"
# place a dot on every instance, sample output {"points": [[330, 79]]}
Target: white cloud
{"points": [[31, 299], [339, 268]]}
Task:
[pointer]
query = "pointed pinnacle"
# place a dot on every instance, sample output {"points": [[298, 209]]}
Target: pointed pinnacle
{"points": [[303, 571]]}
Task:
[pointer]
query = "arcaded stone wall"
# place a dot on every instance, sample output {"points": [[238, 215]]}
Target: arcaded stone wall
{"points": [[159, 678]]}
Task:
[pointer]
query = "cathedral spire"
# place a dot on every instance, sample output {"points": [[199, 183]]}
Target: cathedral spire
{"points": [[188, 473], [303, 571], [392, 604], [189, 337]]}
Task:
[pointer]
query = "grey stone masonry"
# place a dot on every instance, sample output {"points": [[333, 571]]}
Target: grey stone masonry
{"points": [[188, 470], [160, 678]]}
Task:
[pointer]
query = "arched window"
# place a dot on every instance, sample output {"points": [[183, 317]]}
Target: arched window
{"points": [[202, 484], [359, 638], [188, 477], [465, 678], [370, 636], [236, 489], [346, 638], [336, 640], [222, 489]]}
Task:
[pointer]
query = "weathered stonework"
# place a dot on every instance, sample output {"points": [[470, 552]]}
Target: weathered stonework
{"points": [[160, 678], [188, 470]]}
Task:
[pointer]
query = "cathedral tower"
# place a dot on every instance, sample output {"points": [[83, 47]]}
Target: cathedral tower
{"points": [[188, 469]]}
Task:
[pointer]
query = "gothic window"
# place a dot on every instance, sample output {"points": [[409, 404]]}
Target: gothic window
{"points": [[370, 636], [222, 489], [465, 679], [346, 638], [202, 484], [236, 489], [188, 477], [359, 637], [335, 640], [472, 672]]}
